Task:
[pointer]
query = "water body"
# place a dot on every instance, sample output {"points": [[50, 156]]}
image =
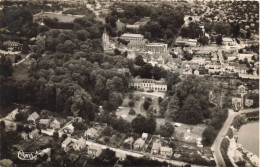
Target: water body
{"points": [[248, 136]]}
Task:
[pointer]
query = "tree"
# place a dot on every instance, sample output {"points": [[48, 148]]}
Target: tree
{"points": [[146, 71], [21, 117], [107, 131], [173, 108], [131, 103], [138, 124], [191, 111], [187, 55], [117, 52], [146, 104], [166, 130], [2, 125], [248, 34], [160, 99], [219, 40], [209, 135], [139, 61], [17, 58], [203, 40], [25, 48], [55, 136], [132, 112]]}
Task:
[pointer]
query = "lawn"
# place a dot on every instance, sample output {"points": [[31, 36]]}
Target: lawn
{"points": [[20, 72], [116, 140], [124, 109], [189, 133]]}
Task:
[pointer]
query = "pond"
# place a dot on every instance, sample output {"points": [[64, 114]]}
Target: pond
{"points": [[248, 136]]}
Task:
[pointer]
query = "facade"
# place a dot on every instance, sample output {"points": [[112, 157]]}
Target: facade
{"points": [[80, 144], [136, 44], [148, 84], [241, 89], [68, 129], [156, 47], [228, 42], [91, 133], [55, 124], [155, 148], [43, 123], [94, 150], [166, 151], [33, 117], [237, 101], [139, 143], [249, 102], [105, 40], [34, 134], [132, 37], [65, 144]]}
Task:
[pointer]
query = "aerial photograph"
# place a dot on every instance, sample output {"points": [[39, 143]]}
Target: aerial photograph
{"points": [[129, 83]]}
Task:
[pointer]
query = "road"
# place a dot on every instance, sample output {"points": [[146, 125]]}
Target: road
{"points": [[222, 133], [138, 155]]}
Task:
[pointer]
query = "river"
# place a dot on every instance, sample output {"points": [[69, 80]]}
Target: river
{"points": [[248, 136]]}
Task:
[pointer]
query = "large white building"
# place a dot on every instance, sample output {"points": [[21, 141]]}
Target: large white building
{"points": [[132, 37], [156, 47], [148, 84], [105, 40]]}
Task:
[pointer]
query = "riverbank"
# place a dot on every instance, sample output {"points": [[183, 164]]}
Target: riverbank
{"points": [[236, 153]]}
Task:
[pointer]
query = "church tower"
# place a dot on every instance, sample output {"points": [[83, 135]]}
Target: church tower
{"points": [[105, 40]]}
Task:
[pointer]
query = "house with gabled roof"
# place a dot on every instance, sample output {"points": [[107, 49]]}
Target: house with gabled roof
{"points": [[66, 143], [166, 151], [33, 117], [33, 134], [94, 150], [155, 148], [139, 144], [55, 124], [24, 135], [91, 133], [43, 123], [80, 144]]}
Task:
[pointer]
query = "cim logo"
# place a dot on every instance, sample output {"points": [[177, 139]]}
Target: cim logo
{"points": [[27, 155]]}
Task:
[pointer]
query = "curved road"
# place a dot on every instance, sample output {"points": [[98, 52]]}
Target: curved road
{"points": [[222, 133]]}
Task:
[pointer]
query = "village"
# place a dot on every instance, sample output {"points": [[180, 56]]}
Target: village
{"points": [[227, 63]]}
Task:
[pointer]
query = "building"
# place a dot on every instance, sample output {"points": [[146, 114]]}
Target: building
{"points": [[12, 115], [237, 102], [91, 133], [166, 151], [139, 144], [12, 45], [33, 134], [249, 102], [241, 89], [46, 151], [105, 40], [43, 123], [128, 142], [94, 150], [68, 129], [144, 136], [132, 37], [55, 124], [65, 144], [148, 84], [33, 117], [136, 45], [156, 47], [228, 42], [241, 69], [245, 56], [80, 144], [24, 136], [156, 148]]}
